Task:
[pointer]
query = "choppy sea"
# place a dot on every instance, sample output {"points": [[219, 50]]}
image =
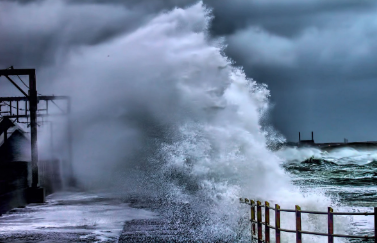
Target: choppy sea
{"points": [[347, 175]]}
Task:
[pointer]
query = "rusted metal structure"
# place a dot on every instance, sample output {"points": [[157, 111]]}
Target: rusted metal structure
{"points": [[31, 100], [33, 104], [257, 233]]}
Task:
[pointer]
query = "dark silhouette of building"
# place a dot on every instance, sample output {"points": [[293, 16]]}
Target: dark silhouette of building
{"points": [[14, 142]]}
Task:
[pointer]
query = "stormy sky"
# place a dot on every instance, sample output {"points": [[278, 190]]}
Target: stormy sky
{"points": [[318, 58]]}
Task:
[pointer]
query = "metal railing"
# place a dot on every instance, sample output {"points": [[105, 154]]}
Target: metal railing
{"points": [[258, 233]]}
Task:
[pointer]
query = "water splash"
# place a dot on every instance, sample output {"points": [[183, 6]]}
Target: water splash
{"points": [[162, 112]]}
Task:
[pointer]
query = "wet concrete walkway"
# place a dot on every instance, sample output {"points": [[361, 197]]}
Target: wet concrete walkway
{"points": [[72, 217], [100, 217]]}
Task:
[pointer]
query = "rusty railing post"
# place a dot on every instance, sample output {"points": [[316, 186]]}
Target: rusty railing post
{"points": [[267, 221], [277, 223], [252, 203], [375, 224], [330, 227], [298, 225], [259, 221], [330, 224]]}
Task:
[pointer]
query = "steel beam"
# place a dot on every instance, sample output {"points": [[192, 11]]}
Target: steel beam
{"points": [[38, 115], [33, 101], [41, 97], [18, 87], [7, 72]]}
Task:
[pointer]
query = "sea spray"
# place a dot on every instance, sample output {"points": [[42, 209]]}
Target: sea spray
{"points": [[161, 112]]}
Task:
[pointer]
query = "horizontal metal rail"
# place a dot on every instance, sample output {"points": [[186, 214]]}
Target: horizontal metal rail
{"points": [[266, 223], [312, 212], [38, 115], [316, 233], [40, 97]]}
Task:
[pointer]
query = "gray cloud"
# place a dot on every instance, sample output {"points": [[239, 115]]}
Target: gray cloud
{"points": [[53, 27], [281, 17], [318, 57]]}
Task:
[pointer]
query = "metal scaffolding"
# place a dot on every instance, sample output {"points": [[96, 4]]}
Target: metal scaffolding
{"points": [[31, 100]]}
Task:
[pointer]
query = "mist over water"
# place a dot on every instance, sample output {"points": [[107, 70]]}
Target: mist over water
{"points": [[161, 112]]}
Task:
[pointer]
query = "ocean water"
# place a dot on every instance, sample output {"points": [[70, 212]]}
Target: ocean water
{"points": [[348, 176]]}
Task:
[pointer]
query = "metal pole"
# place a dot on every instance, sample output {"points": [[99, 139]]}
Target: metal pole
{"points": [[330, 227], [71, 180], [17, 110], [51, 142], [277, 223], [267, 221], [252, 209], [33, 103], [5, 136], [259, 221], [375, 224], [298, 225]]}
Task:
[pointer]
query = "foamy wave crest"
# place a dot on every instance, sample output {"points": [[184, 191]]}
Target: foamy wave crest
{"points": [[161, 111]]}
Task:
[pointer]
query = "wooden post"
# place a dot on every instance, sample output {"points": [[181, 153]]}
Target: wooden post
{"points": [[252, 218], [330, 228], [259, 221], [277, 223], [298, 224], [375, 224], [267, 221]]}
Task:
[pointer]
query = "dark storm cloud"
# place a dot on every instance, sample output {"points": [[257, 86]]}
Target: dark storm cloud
{"points": [[318, 58], [282, 17], [144, 4], [52, 27], [35, 32]]}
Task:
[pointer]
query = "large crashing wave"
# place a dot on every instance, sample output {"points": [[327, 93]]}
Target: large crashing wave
{"points": [[162, 112]]}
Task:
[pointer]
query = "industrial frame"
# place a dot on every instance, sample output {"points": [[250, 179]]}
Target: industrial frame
{"points": [[33, 99]]}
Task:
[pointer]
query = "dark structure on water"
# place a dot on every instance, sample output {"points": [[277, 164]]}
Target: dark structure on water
{"points": [[329, 146], [306, 142]]}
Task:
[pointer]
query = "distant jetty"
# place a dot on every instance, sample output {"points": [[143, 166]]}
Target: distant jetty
{"points": [[326, 146]]}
